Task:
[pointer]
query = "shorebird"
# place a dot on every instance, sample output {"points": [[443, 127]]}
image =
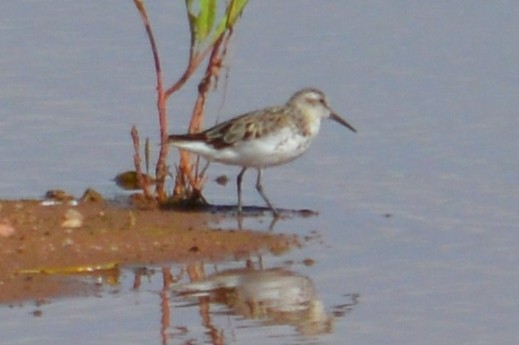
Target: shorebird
{"points": [[263, 138]]}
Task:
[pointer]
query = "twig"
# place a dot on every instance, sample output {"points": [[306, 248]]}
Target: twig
{"points": [[161, 168], [143, 182]]}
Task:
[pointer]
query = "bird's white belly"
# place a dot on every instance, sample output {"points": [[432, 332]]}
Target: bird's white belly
{"points": [[274, 149]]}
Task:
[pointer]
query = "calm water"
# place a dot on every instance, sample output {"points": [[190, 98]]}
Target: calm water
{"points": [[416, 241]]}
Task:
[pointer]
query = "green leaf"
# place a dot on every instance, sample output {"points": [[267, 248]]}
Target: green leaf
{"points": [[211, 15], [228, 20], [201, 21], [235, 10], [205, 19], [191, 16], [109, 266]]}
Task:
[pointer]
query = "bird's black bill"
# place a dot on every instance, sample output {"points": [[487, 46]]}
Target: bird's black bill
{"points": [[343, 122]]}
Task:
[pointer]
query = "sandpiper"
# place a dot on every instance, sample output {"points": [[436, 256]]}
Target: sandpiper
{"points": [[263, 138]]}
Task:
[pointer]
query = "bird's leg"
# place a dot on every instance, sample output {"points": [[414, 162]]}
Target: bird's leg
{"points": [[238, 182], [259, 188]]}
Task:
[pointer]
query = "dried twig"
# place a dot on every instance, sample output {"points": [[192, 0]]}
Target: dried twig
{"points": [[144, 183]]}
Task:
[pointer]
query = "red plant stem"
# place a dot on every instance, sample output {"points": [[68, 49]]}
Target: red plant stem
{"points": [[218, 51], [195, 59], [160, 169]]}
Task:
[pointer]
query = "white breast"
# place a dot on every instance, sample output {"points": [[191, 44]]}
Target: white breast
{"points": [[274, 149]]}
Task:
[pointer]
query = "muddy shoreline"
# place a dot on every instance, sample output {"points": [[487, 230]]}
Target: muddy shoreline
{"points": [[42, 247]]}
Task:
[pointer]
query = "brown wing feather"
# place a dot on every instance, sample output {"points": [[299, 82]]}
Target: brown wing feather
{"points": [[187, 137], [242, 128]]}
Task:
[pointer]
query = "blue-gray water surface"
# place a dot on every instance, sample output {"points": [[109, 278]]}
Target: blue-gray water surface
{"points": [[416, 238]]}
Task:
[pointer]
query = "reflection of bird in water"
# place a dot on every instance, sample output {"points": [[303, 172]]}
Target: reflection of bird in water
{"points": [[275, 296]]}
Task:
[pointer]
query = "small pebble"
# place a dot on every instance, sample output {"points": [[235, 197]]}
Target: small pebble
{"points": [[73, 219], [91, 195], [6, 230]]}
